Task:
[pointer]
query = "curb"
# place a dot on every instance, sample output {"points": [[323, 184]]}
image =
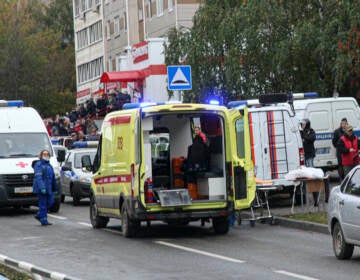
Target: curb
{"points": [[28, 267], [303, 225]]}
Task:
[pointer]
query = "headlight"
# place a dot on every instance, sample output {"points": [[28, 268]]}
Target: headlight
{"points": [[85, 179]]}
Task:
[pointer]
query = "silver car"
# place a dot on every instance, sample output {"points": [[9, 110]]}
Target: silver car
{"points": [[344, 215]]}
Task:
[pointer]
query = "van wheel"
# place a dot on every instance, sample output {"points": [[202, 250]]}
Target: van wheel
{"points": [[76, 199], [221, 225], [62, 198], [342, 250], [96, 220], [128, 226]]}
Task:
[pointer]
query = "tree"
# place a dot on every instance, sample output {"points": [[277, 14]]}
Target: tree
{"points": [[34, 63], [244, 48]]}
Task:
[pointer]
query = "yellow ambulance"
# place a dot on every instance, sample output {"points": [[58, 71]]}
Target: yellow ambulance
{"points": [[141, 169]]}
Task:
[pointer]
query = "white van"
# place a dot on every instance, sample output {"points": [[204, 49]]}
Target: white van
{"points": [[325, 115], [22, 136], [276, 145]]}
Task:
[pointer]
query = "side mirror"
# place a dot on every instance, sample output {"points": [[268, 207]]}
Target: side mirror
{"points": [[61, 155], [86, 162], [65, 168]]}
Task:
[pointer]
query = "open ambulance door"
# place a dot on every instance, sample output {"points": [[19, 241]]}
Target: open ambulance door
{"points": [[243, 181]]}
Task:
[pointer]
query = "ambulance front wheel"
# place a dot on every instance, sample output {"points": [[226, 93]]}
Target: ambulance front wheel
{"points": [[221, 225], [96, 220]]}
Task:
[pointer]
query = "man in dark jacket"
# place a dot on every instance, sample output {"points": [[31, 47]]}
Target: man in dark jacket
{"points": [[308, 137], [336, 137]]}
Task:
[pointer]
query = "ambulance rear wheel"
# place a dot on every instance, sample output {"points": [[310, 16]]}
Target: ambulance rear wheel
{"points": [[96, 220], [221, 225], [128, 226]]}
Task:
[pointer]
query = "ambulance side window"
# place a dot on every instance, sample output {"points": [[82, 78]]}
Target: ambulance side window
{"points": [[97, 159], [239, 126]]}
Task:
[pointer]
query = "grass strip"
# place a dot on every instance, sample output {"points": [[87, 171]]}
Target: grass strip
{"points": [[310, 217]]}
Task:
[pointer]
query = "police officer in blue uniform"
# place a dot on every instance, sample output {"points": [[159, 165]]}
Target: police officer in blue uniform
{"points": [[44, 185]]}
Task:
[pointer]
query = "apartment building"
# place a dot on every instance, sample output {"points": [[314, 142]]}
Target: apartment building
{"points": [[119, 43]]}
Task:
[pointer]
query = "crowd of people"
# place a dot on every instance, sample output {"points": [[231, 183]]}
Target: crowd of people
{"points": [[80, 121]]}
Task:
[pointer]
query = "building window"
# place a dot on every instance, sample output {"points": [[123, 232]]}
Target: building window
{"points": [[90, 70], [97, 2], [125, 23], [170, 5], [83, 6], [117, 26], [90, 4], [150, 9], [77, 7], [108, 25], [95, 32], [82, 38], [160, 7], [110, 65]]}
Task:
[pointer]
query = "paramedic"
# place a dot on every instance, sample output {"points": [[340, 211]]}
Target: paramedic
{"points": [[348, 146], [199, 133], [308, 137], [337, 134], [197, 159], [44, 185]]}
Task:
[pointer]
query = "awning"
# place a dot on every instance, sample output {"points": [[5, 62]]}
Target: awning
{"points": [[122, 76]]}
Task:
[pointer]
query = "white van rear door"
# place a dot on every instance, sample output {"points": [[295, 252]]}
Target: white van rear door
{"points": [[275, 144]]}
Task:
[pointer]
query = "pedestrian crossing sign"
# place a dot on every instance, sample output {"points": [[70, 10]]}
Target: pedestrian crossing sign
{"points": [[179, 77]]}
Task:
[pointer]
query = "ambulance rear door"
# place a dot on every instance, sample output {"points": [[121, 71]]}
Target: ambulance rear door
{"points": [[242, 179]]}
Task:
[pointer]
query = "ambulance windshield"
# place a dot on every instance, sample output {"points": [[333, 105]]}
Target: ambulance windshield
{"points": [[23, 145]]}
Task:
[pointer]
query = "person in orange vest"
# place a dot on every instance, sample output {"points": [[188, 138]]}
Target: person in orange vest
{"points": [[348, 147]]}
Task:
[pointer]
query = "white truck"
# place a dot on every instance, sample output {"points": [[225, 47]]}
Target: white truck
{"points": [[22, 136]]}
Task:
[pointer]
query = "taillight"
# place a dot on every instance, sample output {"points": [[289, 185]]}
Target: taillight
{"points": [[132, 168], [302, 156]]}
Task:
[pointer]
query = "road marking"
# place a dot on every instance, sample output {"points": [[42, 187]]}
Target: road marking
{"points": [[298, 276], [199, 252], [28, 237], [85, 224], [112, 231], [57, 217]]}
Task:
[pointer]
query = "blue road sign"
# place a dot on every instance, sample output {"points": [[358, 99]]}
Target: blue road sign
{"points": [[179, 77]]}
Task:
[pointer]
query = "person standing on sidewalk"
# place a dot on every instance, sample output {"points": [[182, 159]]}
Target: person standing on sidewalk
{"points": [[44, 185], [348, 146], [308, 137], [335, 140]]}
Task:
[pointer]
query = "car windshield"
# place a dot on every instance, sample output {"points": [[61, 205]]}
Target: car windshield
{"points": [[14, 145], [77, 162]]}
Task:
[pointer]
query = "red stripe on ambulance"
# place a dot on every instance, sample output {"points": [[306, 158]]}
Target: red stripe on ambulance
{"points": [[113, 179]]}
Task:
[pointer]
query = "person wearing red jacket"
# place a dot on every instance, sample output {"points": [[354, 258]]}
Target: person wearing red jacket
{"points": [[348, 147], [202, 135]]}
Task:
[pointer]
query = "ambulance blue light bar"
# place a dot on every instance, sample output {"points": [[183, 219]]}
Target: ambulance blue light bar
{"points": [[11, 103], [305, 95], [214, 102], [147, 104], [233, 104], [85, 144], [55, 141]]}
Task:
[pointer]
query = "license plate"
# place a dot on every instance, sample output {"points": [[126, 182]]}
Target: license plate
{"points": [[23, 190], [178, 197]]}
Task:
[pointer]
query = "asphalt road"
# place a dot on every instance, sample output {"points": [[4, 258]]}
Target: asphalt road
{"points": [[72, 247]]}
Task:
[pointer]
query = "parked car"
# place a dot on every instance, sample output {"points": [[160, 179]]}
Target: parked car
{"points": [[344, 213], [75, 181]]}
